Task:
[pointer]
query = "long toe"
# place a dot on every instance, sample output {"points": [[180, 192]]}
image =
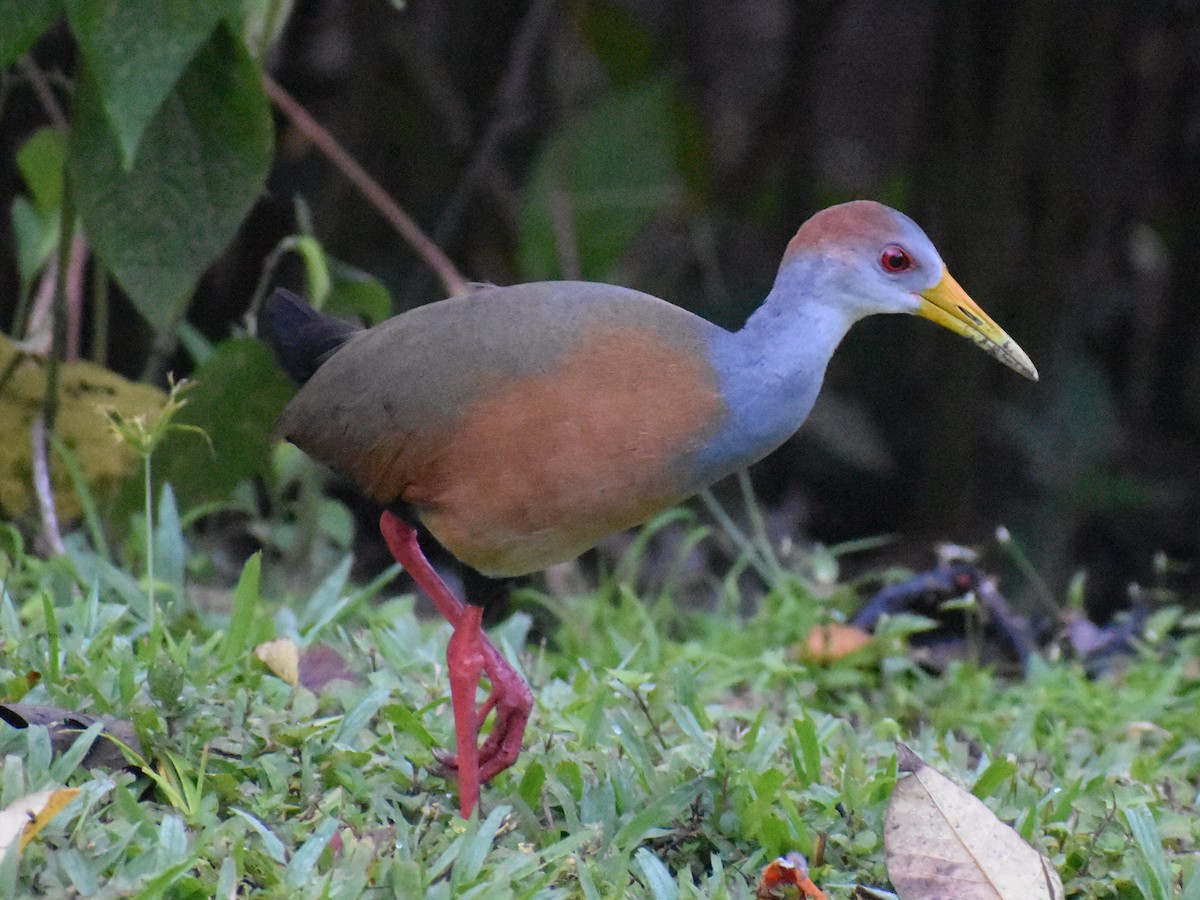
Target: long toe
{"points": [[503, 744]]}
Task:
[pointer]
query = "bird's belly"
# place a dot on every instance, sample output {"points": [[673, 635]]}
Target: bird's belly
{"points": [[517, 492], [545, 467], [505, 533]]}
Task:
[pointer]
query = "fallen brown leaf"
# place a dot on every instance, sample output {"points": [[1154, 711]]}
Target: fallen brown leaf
{"points": [[282, 657], [25, 817], [786, 878], [834, 641], [313, 668], [65, 725], [320, 665], [943, 843]]}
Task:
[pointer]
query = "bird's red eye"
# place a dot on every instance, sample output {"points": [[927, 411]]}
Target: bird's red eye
{"points": [[895, 259]]}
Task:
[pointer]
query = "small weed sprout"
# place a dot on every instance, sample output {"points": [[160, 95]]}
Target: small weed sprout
{"points": [[143, 435]]}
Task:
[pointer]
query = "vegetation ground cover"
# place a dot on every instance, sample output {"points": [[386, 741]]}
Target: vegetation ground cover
{"points": [[673, 751]]}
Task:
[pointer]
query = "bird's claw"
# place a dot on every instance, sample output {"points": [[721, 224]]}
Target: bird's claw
{"points": [[513, 704]]}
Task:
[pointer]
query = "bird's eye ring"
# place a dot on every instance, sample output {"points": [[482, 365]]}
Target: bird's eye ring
{"points": [[895, 259]]}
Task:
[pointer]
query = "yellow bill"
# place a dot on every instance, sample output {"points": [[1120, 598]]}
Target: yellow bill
{"points": [[949, 305]]}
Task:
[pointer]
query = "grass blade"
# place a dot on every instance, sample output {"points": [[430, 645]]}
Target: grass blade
{"points": [[169, 551], [272, 844], [358, 717], [240, 638], [91, 518], [1152, 876], [658, 877], [304, 862], [477, 846]]}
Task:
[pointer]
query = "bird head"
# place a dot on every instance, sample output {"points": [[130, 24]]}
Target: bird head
{"points": [[874, 259]]}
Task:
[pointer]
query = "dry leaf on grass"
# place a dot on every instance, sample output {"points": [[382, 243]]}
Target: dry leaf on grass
{"points": [[282, 657], [829, 643], [320, 665], [942, 843], [786, 878], [65, 725], [83, 387], [24, 818], [315, 667]]}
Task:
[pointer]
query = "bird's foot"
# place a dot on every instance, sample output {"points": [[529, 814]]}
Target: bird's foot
{"points": [[468, 655], [465, 660], [512, 701]]}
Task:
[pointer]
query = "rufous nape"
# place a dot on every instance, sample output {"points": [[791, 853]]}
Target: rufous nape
{"points": [[522, 424]]}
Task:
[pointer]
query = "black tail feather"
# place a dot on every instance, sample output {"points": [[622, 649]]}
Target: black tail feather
{"points": [[301, 337]]}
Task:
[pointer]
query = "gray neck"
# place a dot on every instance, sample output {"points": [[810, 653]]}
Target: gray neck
{"points": [[771, 370]]}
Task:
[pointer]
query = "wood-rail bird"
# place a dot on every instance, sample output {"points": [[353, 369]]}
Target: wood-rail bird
{"points": [[522, 424]]}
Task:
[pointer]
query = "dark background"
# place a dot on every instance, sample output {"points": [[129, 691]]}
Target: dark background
{"points": [[1051, 150]]}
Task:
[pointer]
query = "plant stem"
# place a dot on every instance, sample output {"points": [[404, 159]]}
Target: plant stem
{"points": [[58, 343], [374, 193], [149, 512]]}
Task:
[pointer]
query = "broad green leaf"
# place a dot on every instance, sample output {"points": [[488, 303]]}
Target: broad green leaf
{"points": [[657, 813], [265, 21], [316, 264], [81, 869], [202, 162], [596, 184], [24, 22], [239, 393], [172, 840], [620, 42], [227, 879], [356, 293], [76, 751], [408, 722], [41, 160], [137, 50], [999, 771], [531, 784]]}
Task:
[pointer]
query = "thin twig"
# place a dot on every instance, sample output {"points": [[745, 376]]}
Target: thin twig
{"points": [[37, 332], [39, 335], [58, 310], [40, 427], [74, 288], [452, 280], [505, 117], [41, 486], [45, 95], [562, 228]]}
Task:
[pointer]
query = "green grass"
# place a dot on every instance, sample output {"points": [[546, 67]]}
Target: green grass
{"points": [[672, 753]]}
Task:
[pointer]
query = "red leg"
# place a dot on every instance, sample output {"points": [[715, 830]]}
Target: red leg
{"points": [[464, 658], [468, 653], [401, 539]]}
